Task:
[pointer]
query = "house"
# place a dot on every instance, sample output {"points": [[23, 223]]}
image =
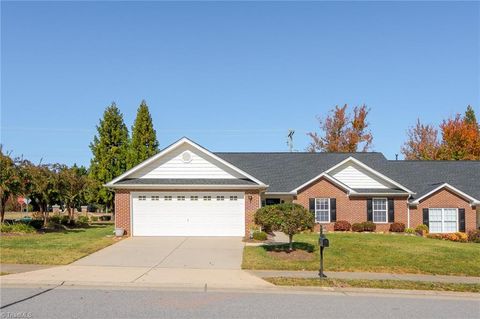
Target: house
{"points": [[187, 190]]}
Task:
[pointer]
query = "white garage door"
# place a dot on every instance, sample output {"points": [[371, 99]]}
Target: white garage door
{"points": [[188, 214]]}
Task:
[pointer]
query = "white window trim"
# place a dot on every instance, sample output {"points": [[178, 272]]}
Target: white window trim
{"points": [[329, 211], [443, 220], [386, 210]]}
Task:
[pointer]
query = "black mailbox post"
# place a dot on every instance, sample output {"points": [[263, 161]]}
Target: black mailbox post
{"points": [[323, 242]]}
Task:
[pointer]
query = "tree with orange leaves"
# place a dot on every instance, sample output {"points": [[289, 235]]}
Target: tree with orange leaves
{"points": [[422, 143], [342, 132]]}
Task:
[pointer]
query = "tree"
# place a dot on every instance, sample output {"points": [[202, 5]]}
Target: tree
{"points": [[470, 117], [288, 218], [342, 132], [460, 139], [144, 142], [422, 143], [73, 181], [10, 180], [109, 149]]}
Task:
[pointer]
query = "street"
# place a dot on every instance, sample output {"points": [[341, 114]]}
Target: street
{"points": [[89, 302]]}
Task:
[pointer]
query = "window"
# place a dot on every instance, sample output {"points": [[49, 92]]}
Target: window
{"points": [[155, 197], [193, 198], [220, 197], [168, 197], [141, 197], [233, 197], [180, 198], [380, 210], [443, 220], [322, 210], [207, 198]]}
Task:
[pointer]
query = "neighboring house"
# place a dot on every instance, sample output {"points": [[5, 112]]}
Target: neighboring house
{"points": [[186, 190]]}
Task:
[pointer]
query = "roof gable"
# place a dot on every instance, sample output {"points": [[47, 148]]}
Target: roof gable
{"points": [[184, 159], [355, 176]]}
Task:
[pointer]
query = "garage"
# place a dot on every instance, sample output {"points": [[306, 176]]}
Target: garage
{"points": [[188, 213]]}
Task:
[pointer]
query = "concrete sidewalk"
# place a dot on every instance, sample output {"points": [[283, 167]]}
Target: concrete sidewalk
{"points": [[367, 275], [18, 268], [139, 276]]}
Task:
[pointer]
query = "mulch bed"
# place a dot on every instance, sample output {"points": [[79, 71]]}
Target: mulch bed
{"points": [[293, 255]]}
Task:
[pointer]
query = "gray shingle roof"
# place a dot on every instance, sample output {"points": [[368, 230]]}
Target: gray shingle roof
{"points": [[284, 172], [185, 181]]}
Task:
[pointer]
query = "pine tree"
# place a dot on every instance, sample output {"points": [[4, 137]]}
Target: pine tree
{"points": [[109, 148], [144, 142], [470, 117]]}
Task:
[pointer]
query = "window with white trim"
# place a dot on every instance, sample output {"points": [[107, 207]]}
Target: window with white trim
{"points": [[322, 210], [233, 197], [141, 197], [168, 198], [181, 198], [380, 210], [443, 220], [220, 198], [155, 197], [207, 198], [194, 198]]}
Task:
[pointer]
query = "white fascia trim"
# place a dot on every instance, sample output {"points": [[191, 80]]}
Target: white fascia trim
{"points": [[171, 148], [330, 178], [280, 193], [472, 200], [182, 186], [379, 194], [371, 170]]}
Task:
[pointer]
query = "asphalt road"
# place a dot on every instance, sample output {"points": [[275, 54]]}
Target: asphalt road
{"points": [[71, 302]]}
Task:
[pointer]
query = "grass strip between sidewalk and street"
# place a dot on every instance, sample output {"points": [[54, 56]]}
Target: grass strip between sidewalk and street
{"points": [[380, 284]]}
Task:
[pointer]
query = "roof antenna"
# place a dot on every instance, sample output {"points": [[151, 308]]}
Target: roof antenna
{"points": [[290, 139], [396, 157]]}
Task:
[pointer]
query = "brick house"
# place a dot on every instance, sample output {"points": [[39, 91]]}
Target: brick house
{"points": [[186, 190]]}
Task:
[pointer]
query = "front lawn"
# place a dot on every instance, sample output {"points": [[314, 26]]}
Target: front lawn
{"points": [[56, 248], [373, 253], [380, 284]]}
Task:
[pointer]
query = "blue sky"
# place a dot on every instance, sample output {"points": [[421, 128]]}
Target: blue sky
{"points": [[232, 76]]}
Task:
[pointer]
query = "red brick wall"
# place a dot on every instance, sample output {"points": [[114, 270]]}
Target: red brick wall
{"points": [[353, 209], [251, 206], [122, 206], [122, 210], [444, 199]]}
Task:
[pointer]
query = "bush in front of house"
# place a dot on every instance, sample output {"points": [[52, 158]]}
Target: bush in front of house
{"points": [[82, 221], [457, 237], [342, 225], [18, 228], [94, 218], [357, 227], [409, 231], [421, 230], [105, 218], [369, 226], [260, 235], [397, 227], [55, 219], [474, 236]]}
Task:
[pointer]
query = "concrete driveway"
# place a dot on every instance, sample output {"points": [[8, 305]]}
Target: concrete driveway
{"points": [[170, 252]]}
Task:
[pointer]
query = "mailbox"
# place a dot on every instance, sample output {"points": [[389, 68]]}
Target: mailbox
{"points": [[323, 242]]}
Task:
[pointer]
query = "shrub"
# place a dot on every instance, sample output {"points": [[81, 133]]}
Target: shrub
{"points": [[421, 230], [409, 231], [462, 237], [35, 223], [94, 218], [55, 219], [105, 218], [474, 236], [342, 225], [369, 226], [259, 235], [19, 228], [82, 220], [357, 227], [397, 227]]}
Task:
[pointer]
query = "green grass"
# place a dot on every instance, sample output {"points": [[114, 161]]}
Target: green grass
{"points": [[56, 248], [381, 284], [3, 273], [376, 253]]}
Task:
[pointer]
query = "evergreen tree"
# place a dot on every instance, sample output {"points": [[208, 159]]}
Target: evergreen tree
{"points": [[470, 117], [144, 142], [109, 148]]}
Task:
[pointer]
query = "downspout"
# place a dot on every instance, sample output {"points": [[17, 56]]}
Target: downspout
{"points": [[408, 211]]}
